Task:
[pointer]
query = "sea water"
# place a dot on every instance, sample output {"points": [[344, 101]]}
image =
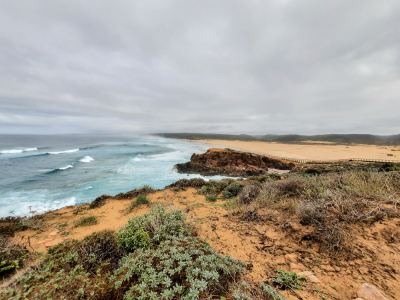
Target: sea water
{"points": [[41, 173]]}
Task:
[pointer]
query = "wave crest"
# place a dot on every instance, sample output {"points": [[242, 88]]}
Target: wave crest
{"points": [[86, 159], [16, 151], [61, 152]]}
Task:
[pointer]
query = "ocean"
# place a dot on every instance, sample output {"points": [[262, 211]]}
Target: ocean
{"points": [[41, 173]]}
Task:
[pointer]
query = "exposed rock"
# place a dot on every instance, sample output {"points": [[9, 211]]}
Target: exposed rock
{"points": [[310, 276], [296, 267], [369, 292], [231, 163]]}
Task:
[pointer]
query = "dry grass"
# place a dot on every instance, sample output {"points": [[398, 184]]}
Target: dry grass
{"points": [[330, 202]]}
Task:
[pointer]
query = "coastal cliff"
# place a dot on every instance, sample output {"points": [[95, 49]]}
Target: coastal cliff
{"points": [[231, 163]]}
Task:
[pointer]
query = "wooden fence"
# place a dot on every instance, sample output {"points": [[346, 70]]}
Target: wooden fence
{"points": [[316, 161]]}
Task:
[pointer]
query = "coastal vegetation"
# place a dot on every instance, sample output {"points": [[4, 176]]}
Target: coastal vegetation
{"points": [[317, 211]]}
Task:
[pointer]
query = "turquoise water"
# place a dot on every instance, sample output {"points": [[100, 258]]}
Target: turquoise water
{"points": [[42, 173]]}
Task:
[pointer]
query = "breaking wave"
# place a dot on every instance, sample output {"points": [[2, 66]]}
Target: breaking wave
{"points": [[86, 159]]}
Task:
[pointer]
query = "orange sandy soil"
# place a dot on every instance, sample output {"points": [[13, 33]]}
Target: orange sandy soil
{"points": [[312, 150], [268, 244]]}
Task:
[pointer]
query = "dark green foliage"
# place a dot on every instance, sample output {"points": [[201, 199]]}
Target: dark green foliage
{"points": [[99, 201], [140, 200], [270, 292], [312, 172], [185, 183], [10, 225], [180, 268], [153, 227], [207, 190], [86, 221], [232, 190], [394, 168], [288, 280], [211, 198], [73, 270], [96, 268], [11, 256], [146, 189]]}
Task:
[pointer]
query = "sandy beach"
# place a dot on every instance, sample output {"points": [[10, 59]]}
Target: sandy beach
{"points": [[317, 151]]}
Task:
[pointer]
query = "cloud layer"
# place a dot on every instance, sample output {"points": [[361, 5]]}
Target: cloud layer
{"points": [[254, 66]]}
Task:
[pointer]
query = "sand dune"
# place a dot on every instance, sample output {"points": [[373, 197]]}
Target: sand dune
{"points": [[317, 151]]}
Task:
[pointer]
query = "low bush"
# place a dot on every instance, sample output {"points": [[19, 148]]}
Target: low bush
{"points": [[10, 225], [185, 183], [249, 193], [288, 280], [99, 201], [86, 221], [232, 190], [153, 227], [180, 268], [140, 200], [211, 198], [206, 190], [11, 256], [96, 268]]}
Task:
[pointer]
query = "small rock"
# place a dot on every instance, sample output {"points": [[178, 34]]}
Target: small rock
{"points": [[294, 267], [41, 242], [314, 279], [310, 276], [305, 273], [363, 270], [369, 292], [292, 258], [54, 232]]}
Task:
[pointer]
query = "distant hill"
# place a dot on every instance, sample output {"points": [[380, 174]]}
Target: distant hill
{"points": [[292, 138]]}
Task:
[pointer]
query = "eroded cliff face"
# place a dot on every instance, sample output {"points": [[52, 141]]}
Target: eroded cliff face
{"points": [[231, 163]]}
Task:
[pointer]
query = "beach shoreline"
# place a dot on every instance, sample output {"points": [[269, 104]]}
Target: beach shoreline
{"points": [[310, 151]]}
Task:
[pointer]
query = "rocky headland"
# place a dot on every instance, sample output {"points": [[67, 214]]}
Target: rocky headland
{"points": [[232, 163]]}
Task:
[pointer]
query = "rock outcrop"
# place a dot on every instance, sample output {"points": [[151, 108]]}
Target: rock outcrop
{"points": [[231, 163], [369, 292]]}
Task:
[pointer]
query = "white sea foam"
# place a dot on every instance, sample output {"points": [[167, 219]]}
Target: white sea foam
{"points": [[16, 151], [62, 152], [88, 188], [137, 158], [86, 159], [66, 167]]}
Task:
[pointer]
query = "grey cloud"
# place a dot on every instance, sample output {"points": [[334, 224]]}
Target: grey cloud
{"points": [[254, 66]]}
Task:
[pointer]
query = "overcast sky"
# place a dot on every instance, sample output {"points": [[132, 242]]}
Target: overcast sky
{"points": [[250, 66]]}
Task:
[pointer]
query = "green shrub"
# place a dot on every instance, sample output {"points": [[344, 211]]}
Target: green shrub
{"points": [[393, 169], [232, 190], [288, 280], [180, 268], [270, 292], [211, 198], [206, 190], [99, 201], [140, 200], [11, 256], [312, 172], [157, 223], [86, 221]]}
